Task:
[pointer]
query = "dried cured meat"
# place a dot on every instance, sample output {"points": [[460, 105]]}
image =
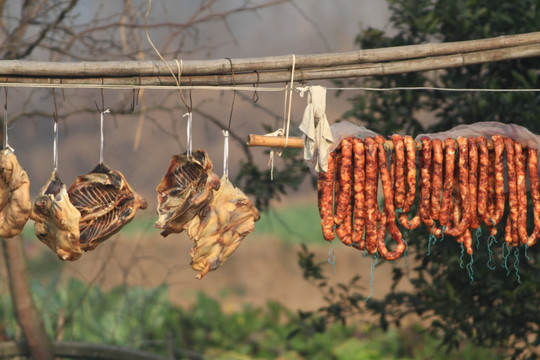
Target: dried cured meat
{"points": [[15, 205], [106, 203], [185, 189], [220, 227], [57, 220]]}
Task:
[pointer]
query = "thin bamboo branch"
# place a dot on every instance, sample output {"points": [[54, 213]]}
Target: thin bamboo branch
{"points": [[39, 344], [271, 63], [79, 350]]}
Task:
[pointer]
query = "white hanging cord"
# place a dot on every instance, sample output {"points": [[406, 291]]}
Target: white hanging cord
{"points": [[6, 143], [55, 144], [102, 137], [288, 123], [273, 152], [188, 132], [225, 153]]}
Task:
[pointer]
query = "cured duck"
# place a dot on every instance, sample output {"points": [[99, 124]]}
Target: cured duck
{"points": [[220, 227], [106, 202], [186, 188], [57, 220], [15, 205]]}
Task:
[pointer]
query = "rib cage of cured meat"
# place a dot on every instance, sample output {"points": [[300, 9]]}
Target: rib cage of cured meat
{"points": [[57, 220], [15, 205], [220, 227], [106, 202], [186, 188]]}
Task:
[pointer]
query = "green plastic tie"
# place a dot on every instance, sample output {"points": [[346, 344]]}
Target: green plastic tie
{"points": [[526, 255], [516, 264], [442, 232], [478, 235], [405, 254], [332, 256], [470, 269], [461, 257], [491, 239], [505, 256], [431, 240], [373, 263]]}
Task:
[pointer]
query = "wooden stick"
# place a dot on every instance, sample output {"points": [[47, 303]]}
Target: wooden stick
{"points": [[298, 142]]}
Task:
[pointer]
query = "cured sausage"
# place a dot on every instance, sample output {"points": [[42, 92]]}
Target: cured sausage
{"points": [[358, 188], [436, 182], [483, 168], [500, 198], [458, 229], [388, 218], [473, 181], [370, 195], [325, 190], [344, 230], [411, 186], [345, 180], [512, 189], [535, 194], [521, 192], [445, 215], [399, 171], [424, 206]]}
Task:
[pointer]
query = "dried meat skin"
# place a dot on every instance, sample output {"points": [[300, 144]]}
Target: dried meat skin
{"points": [[185, 189], [219, 230], [106, 203], [15, 204], [57, 220]]}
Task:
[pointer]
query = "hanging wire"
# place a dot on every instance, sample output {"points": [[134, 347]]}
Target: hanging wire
{"points": [[516, 264], [55, 142], [5, 143], [102, 137], [226, 132]]}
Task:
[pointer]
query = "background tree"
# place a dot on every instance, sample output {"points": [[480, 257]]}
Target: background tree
{"points": [[493, 307]]}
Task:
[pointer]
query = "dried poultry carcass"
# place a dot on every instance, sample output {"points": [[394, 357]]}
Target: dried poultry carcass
{"points": [[57, 220], [15, 205], [184, 191], [220, 227], [106, 202]]}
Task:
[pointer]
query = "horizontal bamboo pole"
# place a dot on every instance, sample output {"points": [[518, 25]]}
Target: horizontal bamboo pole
{"points": [[300, 75], [271, 63]]}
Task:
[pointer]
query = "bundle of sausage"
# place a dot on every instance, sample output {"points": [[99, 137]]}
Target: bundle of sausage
{"points": [[453, 199]]}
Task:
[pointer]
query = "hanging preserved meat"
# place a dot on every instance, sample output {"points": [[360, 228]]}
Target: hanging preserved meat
{"points": [[57, 220], [15, 205], [184, 191], [220, 227], [106, 202]]}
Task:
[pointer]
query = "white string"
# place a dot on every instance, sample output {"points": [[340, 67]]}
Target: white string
{"points": [[278, 132], [431, 88], [290, 102], [55, 146], [188, 132], [102, 138], [225, 153]]}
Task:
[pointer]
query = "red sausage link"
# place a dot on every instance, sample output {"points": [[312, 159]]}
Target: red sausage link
{"points": [[388, 214], [535, 194], [399, 171], [345, 180], [465, 221], [436, 182], [358, 187], [325, 188], [372, 209], [512, 189], [521, 192], [473, 181]]}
